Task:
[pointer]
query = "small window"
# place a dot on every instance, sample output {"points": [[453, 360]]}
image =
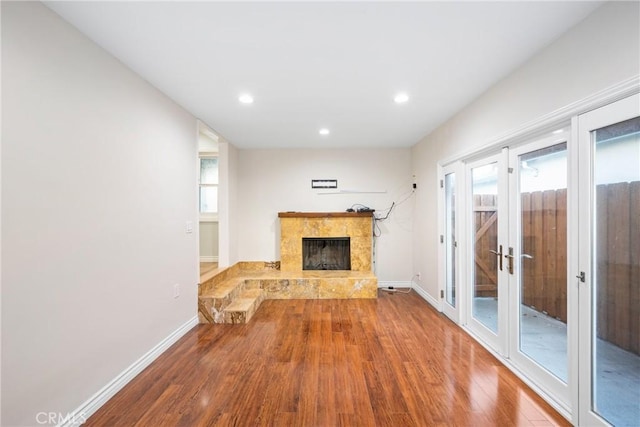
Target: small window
{"points": [[208, 187]]}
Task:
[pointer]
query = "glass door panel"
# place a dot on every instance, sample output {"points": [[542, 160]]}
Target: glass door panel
{"points": [[487, 254], [542, 263], [616, 260], [451, 200], [537, 263], [450, 238], [609, 288]]}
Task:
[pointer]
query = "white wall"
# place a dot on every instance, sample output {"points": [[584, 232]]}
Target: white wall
{"points": [[208, 240], [228, 205], [98, 180], [0, 227], [599, 52], [272, 181], [624, 153], [207, 142]]}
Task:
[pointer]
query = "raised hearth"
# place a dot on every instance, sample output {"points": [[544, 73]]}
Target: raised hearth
{"points": [[234, 294]]}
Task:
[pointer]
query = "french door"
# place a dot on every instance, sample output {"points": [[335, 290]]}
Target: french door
{"points": [[609, 264], [487, 236], [517, 219], [539, 325], [548, 233], [452, 240]]}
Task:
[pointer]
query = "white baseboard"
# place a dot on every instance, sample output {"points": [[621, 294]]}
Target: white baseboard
{"points": [[395, 284], [209, 259], [428, 298], [88, 408]]}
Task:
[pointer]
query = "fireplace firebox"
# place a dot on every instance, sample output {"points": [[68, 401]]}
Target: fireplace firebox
{"points": [[326, 253]]}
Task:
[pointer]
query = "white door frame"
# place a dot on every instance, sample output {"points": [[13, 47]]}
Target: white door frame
{"points": [[619, 111], [496, 341], [453, 313], [576, 232], [548, 382]]}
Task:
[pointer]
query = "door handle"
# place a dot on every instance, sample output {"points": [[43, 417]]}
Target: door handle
{"points": [[527, 256], [499, 255], [510, 257]]}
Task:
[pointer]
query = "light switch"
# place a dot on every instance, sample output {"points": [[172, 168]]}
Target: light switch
{"points": [[189, 227]]}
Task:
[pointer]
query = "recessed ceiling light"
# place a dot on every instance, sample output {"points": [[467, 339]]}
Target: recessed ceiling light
{"points": [[324, 131], [555, 132], [245, 98], [401, 98]]}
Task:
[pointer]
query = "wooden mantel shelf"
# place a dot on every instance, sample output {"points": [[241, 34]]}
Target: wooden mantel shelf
{"points": [[323, 214]]}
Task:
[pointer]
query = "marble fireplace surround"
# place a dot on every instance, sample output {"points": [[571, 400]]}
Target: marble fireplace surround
{"points": [[358, 226]]}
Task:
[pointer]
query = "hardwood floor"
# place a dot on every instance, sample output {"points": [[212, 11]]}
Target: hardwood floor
{"points": [[394, 361]]}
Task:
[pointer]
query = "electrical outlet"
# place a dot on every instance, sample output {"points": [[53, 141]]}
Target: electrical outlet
{"points": [[176, 290], [418, 275]]}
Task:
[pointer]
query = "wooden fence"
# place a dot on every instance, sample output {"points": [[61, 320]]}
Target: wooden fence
{"points": [[544, 260], [618, 264], [486, 240], [544, 232]]}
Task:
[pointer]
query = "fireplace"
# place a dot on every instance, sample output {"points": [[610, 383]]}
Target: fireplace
{"points": [[326, 253], [356, 227]]}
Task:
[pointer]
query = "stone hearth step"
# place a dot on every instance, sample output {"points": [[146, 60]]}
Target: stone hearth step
{"points": [[242, 309], [219, 297], [233, 295]]}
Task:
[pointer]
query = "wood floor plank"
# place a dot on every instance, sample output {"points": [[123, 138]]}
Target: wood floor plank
{"points": [[387, 362], [162, 409]]}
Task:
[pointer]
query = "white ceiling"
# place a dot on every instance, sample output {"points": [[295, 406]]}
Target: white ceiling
{"points": [[311, 65]]}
